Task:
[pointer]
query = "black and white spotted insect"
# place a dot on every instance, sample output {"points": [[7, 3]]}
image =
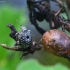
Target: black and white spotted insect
{"points": [[24, 41]]}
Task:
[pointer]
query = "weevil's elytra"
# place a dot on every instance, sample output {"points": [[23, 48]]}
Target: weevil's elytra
{"points": [[56, 42]]}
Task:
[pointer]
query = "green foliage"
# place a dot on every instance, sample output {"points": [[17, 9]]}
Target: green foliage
{"points": [[8, 15], [34, 65]]}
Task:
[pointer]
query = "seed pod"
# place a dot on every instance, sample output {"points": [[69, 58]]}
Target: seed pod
{"points": [[57, 43]]}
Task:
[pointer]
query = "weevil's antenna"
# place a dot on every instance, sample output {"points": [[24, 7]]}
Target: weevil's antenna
{"points": [[20, 23], [22, 27]]}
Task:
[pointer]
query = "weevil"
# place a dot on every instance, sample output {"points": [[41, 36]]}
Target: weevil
{"points": [[24, 41]]}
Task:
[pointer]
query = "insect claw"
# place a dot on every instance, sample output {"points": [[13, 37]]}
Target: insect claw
{"points": [[3, 45], [21, 57], [9, 25], [11, 48], [24, 54]]}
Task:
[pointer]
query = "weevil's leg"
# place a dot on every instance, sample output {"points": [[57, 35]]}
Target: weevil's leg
{"points": [[24, 54], [38, 46], [11, 48], [28, 52], [32, 16], [35, 47], [13, 31]]}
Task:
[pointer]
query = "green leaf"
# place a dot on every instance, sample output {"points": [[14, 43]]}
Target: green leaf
{"points": [[34, 65], [4, 69], [16, 17]]}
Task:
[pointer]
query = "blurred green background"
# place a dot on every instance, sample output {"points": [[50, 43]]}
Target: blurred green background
{"points": [[16, 13]]}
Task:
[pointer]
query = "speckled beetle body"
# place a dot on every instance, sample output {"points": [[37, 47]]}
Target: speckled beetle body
{"points": [[24, 41], [57, 42]]}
